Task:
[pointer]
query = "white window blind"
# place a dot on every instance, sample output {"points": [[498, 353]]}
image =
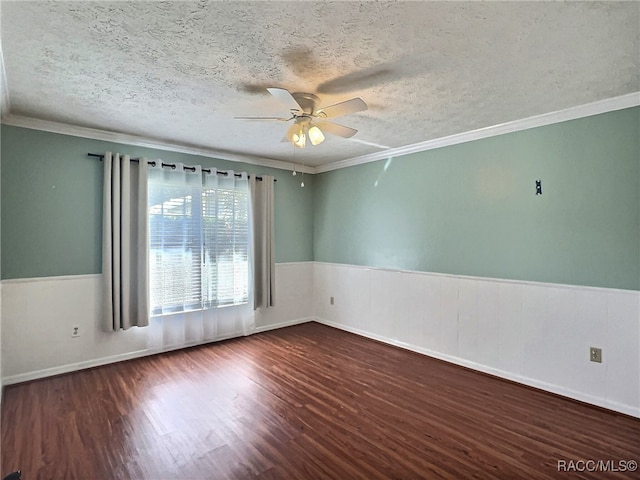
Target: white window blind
{"points": [[198, 239]]}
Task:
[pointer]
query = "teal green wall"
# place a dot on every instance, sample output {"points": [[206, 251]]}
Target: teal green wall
{"points": [[471, 209], [468, 209], [52, 203]]}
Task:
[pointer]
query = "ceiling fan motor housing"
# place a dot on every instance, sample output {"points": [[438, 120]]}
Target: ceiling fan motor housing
{"points": [[307, 101]]}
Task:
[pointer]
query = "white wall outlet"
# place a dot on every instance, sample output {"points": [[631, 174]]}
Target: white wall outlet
{"points": [[75, 331], [595, 354], [331, 301]]}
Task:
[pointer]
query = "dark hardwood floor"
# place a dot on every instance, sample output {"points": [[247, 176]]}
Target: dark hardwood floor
{"points": [[303, 402]]}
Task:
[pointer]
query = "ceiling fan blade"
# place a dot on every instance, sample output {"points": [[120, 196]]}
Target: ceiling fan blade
{"points": [[343, 108], [280, 119], [284, 97], [338, 130], [295, 128]]}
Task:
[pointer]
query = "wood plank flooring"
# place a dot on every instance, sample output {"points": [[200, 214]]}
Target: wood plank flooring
{"points": [[303, 402]]}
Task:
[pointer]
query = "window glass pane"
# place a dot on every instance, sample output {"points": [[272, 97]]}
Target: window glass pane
{"points": [[226, 240], [174, 248]]}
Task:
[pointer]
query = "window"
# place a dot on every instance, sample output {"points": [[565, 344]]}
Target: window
{"points": [[198, 240], [226, 245]]}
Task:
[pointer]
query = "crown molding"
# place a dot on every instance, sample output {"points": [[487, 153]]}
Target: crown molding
{"points": [[572, 113], [107, 136]]}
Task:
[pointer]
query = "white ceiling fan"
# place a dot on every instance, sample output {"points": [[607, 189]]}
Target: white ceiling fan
{"points": [[309, 120]]}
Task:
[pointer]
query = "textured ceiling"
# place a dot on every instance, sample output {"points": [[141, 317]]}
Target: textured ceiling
{"points": [[180, 71]]}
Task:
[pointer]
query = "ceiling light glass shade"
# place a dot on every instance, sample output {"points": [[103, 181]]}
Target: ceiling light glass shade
{"points": [[299, 139], [315, 135]]}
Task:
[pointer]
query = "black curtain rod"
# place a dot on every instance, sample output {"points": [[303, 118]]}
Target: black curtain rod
{"points": [[173, 166]]}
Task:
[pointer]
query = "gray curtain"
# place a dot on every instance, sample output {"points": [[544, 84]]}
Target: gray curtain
{"points": [[262, 221], [125, 239]]}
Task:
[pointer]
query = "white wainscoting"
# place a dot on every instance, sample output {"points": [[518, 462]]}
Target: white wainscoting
{"points": [[38, 315], [532, 333]]}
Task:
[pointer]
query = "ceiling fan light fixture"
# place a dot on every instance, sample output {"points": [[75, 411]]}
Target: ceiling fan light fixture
{"points": [[299, 139], [316, 137], [303, 108]]}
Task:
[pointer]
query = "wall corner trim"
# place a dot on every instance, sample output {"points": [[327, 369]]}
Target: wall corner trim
{"points": [[5, 107], [533, 283]]}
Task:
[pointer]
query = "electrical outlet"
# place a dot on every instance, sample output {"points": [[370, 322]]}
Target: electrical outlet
{"points": [[595, 354], [75, 331], [331, 300]]}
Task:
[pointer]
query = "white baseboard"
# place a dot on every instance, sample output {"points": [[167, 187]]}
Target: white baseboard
{"points": [[274, 326], [555, 389], [74, 367], [558, 390]]}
